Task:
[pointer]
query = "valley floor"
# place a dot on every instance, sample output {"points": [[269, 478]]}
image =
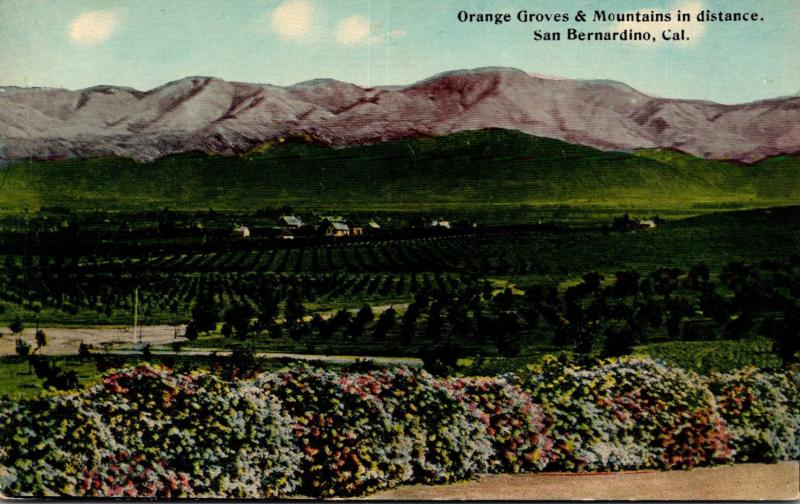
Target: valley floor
{"points": [[734, 482]]}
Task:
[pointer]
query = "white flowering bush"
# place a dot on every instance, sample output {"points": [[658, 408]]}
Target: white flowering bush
{"points": [[449, 438], [149, 432], [762, 411], [230, 438], [46, 444], [629, 414], [351, 445], [515, 425]]}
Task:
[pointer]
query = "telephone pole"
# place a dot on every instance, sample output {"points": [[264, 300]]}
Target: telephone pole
{"points": [[136, 314]]}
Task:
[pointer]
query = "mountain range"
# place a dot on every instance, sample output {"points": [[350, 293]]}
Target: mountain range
{"points": [[215, 116]]}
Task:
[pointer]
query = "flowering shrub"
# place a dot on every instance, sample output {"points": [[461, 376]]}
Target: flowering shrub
{"points": [[228, 437], [153, 433], [629, 414], [137, 406], [449, 439], [46, 444], [517, 427], [351, 445], [235, 441], [762, 411], [123, 475]]}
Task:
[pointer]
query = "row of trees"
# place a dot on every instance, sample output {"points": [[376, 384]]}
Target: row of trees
{"points": [[597, 314]]}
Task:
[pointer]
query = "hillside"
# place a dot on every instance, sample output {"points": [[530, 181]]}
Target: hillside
{"points": [[207, 114], [491, 168]]}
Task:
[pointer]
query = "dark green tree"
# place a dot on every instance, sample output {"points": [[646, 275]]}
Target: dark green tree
{"points": [[619, 340], [295, 311], [385, 323], [205, 314], [365, 314], [191, 331], [23, 348], [16, 326], [239, 317], [785, 335], [41, 340]]}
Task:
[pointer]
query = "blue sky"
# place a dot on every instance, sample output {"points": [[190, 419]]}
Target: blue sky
{"points": [[145, 43]]}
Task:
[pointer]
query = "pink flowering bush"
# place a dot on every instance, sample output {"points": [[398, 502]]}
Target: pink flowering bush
{"points": [[762, 411], [350, 444], [137, 406], [123, 475], [515, 425], [230, 438], [149, 432]]}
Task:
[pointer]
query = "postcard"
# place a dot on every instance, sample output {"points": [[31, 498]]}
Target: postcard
{"points": [[400, 250]]}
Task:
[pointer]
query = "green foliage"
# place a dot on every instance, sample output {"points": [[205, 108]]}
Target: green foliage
{"points": [[467, 168], [191, 331], [23, 348], [205, 314], [707, 357], [41, 339], [16, 326], [238, 317]]}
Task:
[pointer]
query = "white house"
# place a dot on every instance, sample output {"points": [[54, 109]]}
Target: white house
{"points": [[290, 222], [241, 231], [647, 224], [337, 229]]}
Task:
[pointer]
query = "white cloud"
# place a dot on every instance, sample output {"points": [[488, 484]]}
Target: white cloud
{"points": [[93, 27], [293, 19], [354, 30], [357, 30], [692, 29]]}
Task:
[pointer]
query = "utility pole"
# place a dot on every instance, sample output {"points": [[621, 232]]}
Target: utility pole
{"points": [[136, 314]]}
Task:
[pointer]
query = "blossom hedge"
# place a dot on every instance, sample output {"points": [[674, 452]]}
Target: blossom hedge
{"points": [[151, 432], [631, 414]]}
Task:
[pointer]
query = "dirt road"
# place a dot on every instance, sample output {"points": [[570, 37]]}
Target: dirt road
{"points": [[736, 482], [335, 359], [66, 340], [120, 340]]}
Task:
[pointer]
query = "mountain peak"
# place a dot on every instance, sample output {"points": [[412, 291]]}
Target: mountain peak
{"points": [[480, 71], [312, 83], [204, 113]]}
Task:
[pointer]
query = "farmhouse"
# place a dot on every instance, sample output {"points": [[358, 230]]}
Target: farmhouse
{"points": [[647, 224], [630, 224], [290, 222], [336, 229], [241, 232]]}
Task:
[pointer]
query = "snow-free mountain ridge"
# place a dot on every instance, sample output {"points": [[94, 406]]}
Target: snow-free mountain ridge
{"points": [[212, 115]]}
